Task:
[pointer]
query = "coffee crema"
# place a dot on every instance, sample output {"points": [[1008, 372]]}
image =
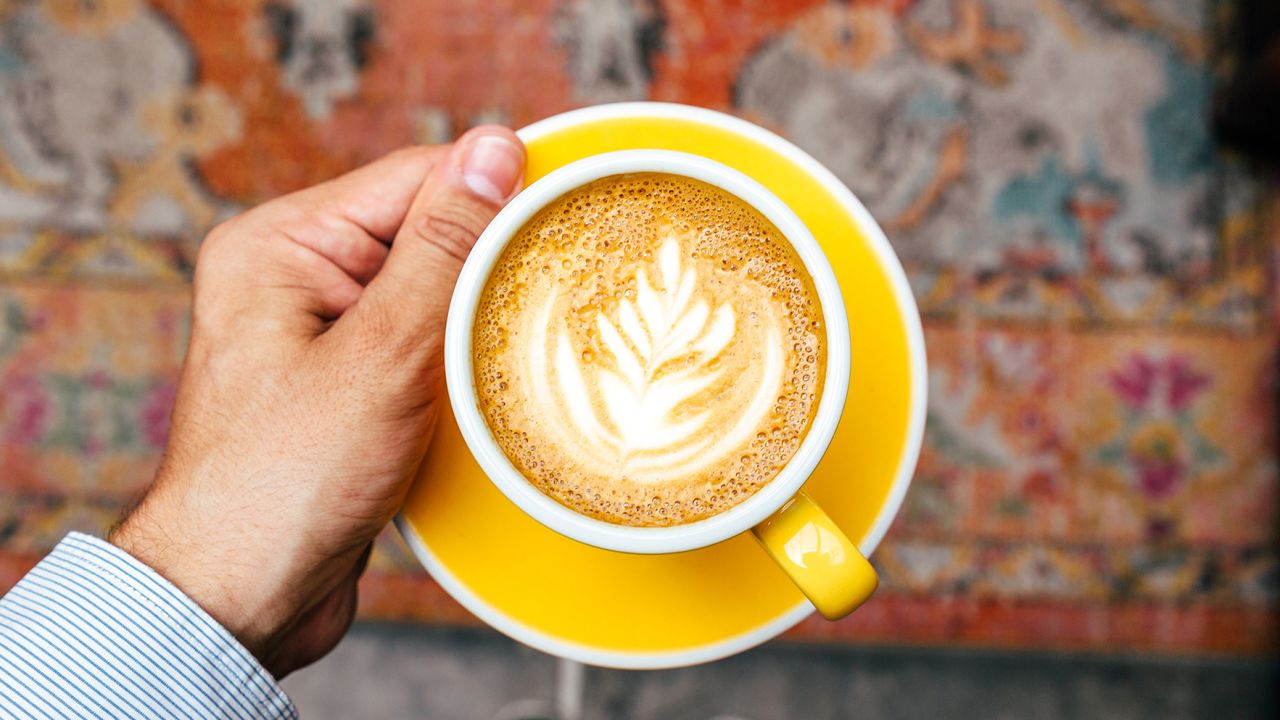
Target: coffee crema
{"points": [[649, 350]]}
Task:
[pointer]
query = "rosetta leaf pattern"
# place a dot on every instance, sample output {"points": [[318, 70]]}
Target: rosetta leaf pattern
{"points": [[657, 395], [662, 346]]}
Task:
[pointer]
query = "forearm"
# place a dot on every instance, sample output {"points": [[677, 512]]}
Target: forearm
{"points": [[92, 632]]}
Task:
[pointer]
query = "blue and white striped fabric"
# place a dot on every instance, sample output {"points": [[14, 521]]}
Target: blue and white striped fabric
{"points": [[91, 632]]}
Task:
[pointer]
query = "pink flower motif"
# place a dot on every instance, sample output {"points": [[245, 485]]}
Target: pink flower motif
{"points": [[154, 414], [25, 410], [1159, 456], [1171, 379], [1134, 383], [1184, 383], [1159, 480], [98, 379]]}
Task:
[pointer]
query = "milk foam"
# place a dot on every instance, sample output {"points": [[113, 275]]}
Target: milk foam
{"points": [[649, 350], [659, 353]]}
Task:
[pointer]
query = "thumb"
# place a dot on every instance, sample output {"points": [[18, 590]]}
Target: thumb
{"points": [[461, 195]]}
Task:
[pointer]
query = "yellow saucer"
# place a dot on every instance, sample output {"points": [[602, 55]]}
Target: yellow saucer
{"points": [[651, 611]]}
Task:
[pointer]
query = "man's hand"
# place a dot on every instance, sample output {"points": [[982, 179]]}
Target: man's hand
{"points": [[311, 387]]}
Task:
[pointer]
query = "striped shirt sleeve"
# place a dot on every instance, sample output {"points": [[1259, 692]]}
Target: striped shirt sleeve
{"points": [[92, 632]]}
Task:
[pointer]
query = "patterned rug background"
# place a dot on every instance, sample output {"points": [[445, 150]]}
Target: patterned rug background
{"points": [[1097, 279]]}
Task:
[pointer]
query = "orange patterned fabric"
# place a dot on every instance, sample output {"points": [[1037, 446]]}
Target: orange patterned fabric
{"points": [[1097, 280]]}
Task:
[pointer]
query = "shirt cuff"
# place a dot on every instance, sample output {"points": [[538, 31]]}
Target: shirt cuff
{"points": [[92, 632]]}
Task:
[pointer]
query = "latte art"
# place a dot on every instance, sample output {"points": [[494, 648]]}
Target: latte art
{"points": [[649, 350], [636, 406]]}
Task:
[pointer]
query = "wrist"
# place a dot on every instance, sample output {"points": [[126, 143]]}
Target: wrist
{"points": [[195, 563]]}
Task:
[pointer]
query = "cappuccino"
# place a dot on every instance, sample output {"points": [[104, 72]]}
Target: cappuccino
{"points": [[649, 350]]}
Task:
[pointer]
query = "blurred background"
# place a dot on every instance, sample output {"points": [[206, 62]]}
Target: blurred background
{"points": [[1083, 193]]}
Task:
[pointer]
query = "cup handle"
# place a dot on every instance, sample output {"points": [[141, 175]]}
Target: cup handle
{"points": [[818, 557]]}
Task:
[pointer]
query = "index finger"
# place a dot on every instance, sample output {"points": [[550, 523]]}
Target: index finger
{"points": [[376, 197], [351, 219]]}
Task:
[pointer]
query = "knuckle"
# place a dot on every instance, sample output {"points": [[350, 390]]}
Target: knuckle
{"points": [[211, 259], [219, 258], [222, 247], [452, 227], [409, 153], [216, 238], [455, 227]]}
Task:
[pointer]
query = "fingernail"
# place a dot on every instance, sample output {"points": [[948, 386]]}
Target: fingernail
{"points": [[492, 167]]}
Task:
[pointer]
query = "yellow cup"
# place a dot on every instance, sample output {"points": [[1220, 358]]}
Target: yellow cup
{"points": [[649, 611], [823, 563]]}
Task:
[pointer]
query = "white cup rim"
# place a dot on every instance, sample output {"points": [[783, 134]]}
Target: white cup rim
{"points": [[459, 373]]}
